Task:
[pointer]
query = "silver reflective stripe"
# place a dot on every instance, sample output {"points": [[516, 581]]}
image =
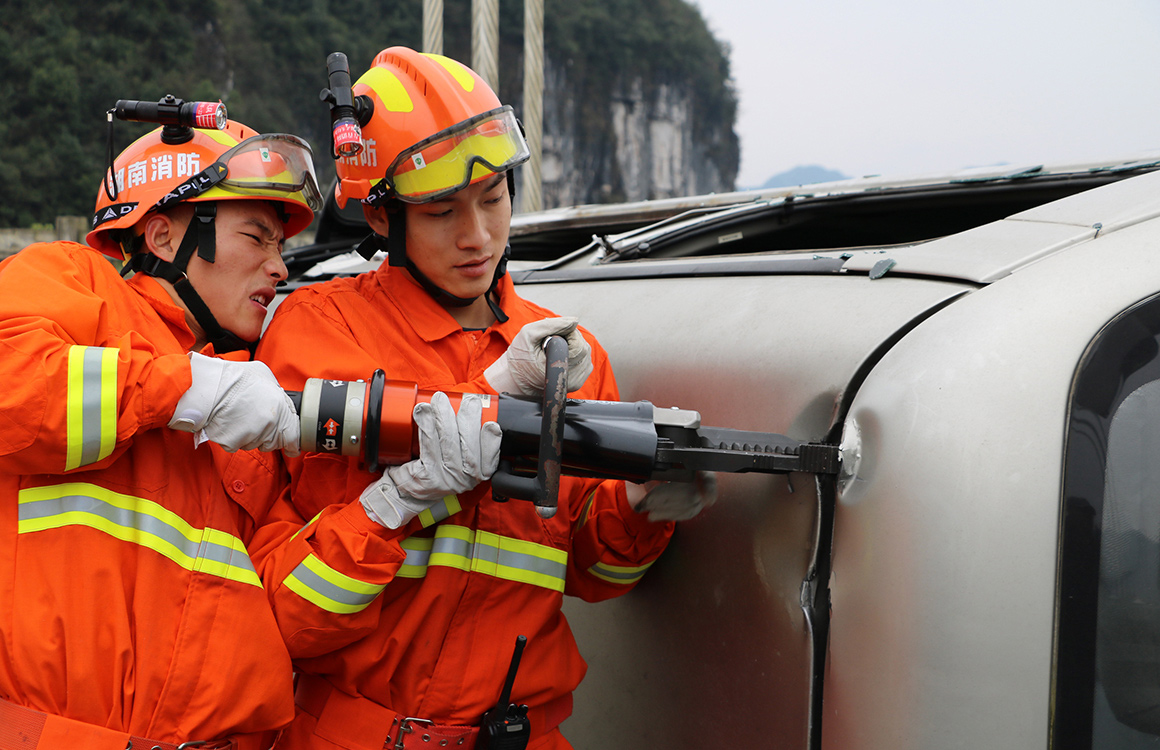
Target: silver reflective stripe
{"points": [[328, 589], [418, 551], [619, 574], [486, 553], [91, 405], [138, 521], [440, 511]]}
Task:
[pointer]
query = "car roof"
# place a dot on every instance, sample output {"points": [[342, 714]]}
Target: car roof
{"points": [[934, 225]]}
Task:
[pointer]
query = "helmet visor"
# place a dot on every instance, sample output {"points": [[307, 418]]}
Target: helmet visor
{"points": [[451, 159], [272, 165]]}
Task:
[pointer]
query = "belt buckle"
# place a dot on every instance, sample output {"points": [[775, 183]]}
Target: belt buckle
{"points": [[405, 729], [182, 746]]}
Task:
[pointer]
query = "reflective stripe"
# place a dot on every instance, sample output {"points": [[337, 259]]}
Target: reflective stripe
{"points": [[486, 553], [587, 509], [91, 405], [619, 574], [418, 550], [138, 521], [440, 511], [328, 589]]}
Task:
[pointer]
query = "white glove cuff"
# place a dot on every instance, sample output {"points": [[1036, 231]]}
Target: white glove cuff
{"points": [[499, 377], [194, 406], [381, 502]]}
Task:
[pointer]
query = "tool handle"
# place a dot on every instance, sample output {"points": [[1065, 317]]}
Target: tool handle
{"points": [[544, 488]]}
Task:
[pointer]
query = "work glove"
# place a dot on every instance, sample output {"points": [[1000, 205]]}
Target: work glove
{"points": [[521, 369], [238, 405], [456, 453], [674, 501]]}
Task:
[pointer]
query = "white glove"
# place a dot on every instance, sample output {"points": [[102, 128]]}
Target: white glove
{"points": [[238, 405], [521, 369], [456, 453], [674, 501]]}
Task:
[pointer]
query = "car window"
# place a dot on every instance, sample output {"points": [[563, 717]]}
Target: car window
{"points": [[1127, 714], [1107, 653]]}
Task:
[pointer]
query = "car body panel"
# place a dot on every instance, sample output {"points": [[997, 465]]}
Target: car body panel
{"points": [[945, 549], [945, 555], [781, 353]]}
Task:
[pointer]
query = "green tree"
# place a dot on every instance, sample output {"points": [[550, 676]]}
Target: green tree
{"points": [[64, 64]]}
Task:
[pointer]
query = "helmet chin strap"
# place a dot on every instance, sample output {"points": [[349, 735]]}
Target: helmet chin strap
{"points": [[200, 235], [396, 247]]}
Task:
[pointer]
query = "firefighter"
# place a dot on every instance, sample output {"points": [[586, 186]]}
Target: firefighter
{"points": [[131, 615], [402, 630]]}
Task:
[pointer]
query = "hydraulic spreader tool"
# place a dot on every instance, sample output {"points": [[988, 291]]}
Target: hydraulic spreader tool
{"points": [[542, 440]]}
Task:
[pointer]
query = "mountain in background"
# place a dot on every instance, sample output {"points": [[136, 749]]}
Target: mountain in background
{"points": [[638, 101], [803, 175]]}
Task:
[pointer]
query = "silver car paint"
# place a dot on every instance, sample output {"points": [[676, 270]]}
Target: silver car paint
{"points": [[944, 572]]}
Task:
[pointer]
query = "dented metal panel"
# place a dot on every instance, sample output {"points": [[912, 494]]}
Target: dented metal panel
{"points": [[716, 629]]}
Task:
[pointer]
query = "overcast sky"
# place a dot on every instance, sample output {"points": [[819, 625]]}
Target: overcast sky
{"points": [[902, 87]]}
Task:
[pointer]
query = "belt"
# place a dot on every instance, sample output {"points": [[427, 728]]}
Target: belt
{"points": [[362, 724], [24, 728]]}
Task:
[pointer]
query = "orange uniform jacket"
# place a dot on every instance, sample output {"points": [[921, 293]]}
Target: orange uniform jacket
{"points": [[424, 619], [127, 598]]}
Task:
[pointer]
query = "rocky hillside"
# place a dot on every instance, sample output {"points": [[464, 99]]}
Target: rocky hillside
{"points": [[638, 102]]}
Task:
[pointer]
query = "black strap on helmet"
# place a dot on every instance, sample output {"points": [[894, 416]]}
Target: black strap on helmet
{"points": [[396, 247], [199, 235], [223, 341], [444, 297]]}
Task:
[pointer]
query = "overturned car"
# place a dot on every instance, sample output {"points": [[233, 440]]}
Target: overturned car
{"points": [[984, 350]]}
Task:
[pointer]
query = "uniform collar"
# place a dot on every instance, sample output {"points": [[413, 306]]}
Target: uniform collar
{"points": [[427, 317], [164, 305]]}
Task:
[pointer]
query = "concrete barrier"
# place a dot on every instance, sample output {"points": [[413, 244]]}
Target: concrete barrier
{"points": [[66, 228], [75, 228]]}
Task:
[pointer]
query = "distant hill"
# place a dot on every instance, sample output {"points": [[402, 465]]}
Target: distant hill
{"points": [[638, 99], [805, 175]]}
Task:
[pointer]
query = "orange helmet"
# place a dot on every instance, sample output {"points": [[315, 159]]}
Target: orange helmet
{"points": [[234, 163], [435, 127]]}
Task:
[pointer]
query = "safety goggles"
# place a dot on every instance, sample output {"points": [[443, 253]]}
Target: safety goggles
{"points": [[272, 165], [450, 160]]}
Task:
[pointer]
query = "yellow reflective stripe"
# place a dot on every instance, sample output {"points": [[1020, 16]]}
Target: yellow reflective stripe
{"points": [[74, 406], [488, 554], [328, 589], [227, 567], [137, 521], [586, 511], [307, 524], [440, 511], [221, 136], [456, 69], [389, 88], [418, 554], [91, 405], [619, 574]]}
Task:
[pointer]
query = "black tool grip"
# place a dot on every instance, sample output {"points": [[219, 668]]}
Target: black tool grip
{"points": [[544, 488]]}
